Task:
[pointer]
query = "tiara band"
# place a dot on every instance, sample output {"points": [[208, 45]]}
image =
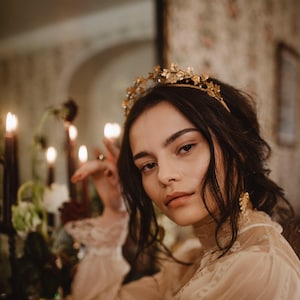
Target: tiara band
{"points": [[173, 76]]}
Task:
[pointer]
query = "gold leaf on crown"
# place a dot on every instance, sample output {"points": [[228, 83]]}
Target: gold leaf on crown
{"points": [[174, 76]]}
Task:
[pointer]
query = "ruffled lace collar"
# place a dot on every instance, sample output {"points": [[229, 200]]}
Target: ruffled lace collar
{"points": [[206, 229]]}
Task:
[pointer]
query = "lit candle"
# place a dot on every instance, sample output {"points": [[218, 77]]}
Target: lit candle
{"points": [[51, 155], [11, 123], [112, 131], [83, 157], [11, 170], [72, 132], [71, 135], [82, 154]]}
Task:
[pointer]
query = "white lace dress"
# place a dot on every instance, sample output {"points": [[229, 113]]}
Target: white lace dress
{"points": [[260, 265]]}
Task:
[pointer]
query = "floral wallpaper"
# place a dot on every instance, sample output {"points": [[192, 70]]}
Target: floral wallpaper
{"points": [[236, 41]]}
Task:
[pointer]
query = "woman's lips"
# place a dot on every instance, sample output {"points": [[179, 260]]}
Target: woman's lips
{"points": [[176, 199]]}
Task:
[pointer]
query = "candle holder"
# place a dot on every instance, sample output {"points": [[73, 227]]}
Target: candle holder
{"points": [[10, 187], [51, 155], [11, 168], [71, 135]]}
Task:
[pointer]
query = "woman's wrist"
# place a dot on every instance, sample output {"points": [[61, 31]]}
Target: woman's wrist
{"points": [[117, 205], [112, 215]]}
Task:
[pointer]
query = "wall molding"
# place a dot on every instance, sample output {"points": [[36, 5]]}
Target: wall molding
{"points": [[107, 26]]}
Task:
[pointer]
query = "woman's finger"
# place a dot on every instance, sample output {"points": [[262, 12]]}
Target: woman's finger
{"points": [[91, 168], [112, 148]]}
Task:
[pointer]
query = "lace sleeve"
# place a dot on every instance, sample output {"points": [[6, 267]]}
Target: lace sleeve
{"points": [[103, 239], [94, 233]]}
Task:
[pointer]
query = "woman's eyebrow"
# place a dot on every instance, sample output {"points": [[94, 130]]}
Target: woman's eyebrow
{"points": [[177, 134], [168, 141], [140, 155]]}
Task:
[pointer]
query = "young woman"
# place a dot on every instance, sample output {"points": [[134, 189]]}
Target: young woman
{"points": [[191, 148]]}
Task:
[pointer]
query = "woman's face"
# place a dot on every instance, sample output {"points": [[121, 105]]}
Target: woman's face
{"points": [[173, 157]]}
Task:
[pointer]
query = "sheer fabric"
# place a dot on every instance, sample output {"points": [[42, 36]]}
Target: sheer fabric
{"points": [[260, 265]]}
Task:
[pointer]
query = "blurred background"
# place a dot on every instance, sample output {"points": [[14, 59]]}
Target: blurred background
{"points": [[89, 51]]}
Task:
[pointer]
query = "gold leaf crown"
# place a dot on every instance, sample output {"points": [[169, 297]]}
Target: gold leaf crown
{"points": [[174, 76]]}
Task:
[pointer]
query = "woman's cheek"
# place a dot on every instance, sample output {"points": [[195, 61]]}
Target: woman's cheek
{"points": [[146, 186], [150, 190]]}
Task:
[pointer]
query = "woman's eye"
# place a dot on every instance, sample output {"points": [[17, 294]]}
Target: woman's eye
{"points": [[147, 167], [186, 148]]}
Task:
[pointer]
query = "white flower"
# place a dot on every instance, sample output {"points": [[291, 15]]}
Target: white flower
{"points": [[25, 218], [55, 196]]}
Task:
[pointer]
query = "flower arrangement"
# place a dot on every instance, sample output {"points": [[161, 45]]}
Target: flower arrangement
{"points": [[46, 266], [28, 216]]}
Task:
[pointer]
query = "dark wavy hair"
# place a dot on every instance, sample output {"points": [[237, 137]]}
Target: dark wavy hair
{"points": [[244, 154]]}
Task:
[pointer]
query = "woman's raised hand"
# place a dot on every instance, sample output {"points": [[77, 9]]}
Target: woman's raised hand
{"points": [[105, 177]]}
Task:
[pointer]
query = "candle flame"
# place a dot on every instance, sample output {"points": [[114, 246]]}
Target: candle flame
{"points": [[51, 155], [11, 122], [82, 154], [112, 130], [72, 132]]}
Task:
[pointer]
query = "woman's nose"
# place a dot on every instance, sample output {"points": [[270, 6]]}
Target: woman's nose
{"points": [[167, 172]]}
